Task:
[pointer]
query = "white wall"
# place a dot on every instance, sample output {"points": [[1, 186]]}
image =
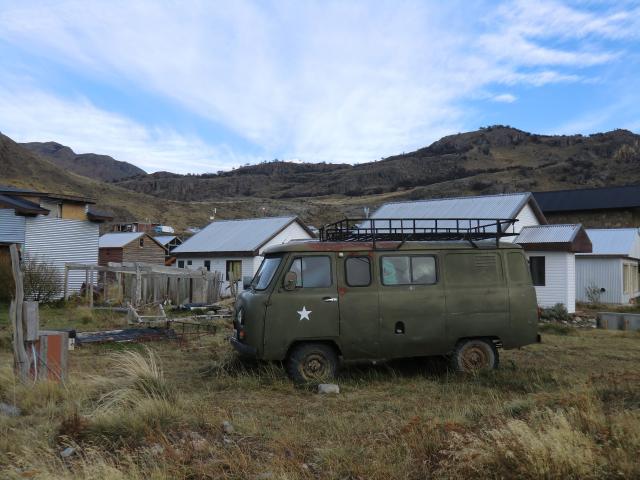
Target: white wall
{"points": [[526, 218], [601, 272], [59, 241], [560, 280]]}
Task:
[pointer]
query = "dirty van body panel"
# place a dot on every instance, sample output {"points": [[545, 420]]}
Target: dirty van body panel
{"points": [[309, 312], [412, 305], [523, 305], [476, 296], [358, 303]]}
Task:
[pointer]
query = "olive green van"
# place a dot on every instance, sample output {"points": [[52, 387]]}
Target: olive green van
{"points": [[312, 303]]}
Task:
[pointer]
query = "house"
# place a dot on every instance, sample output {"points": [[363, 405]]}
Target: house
{"points": [[557, 255], [609, 274], [236, 245], [593, 207], [51, 227], [123, 247], [169, 242], [146, 227], [551, 250]]}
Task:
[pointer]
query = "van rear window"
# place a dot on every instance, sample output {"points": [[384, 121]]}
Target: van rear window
{"points": [[409, 270]]}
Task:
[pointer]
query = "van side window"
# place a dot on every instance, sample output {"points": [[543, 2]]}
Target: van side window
{"points": [[358, 271], [473, 269], [518, 272], [409, 270], [312, 272]]}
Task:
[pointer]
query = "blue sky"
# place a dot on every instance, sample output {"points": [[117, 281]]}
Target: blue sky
{"points": [[205, 86]]}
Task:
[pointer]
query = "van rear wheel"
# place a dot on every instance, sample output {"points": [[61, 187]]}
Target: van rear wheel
{"points": [[474, 355], [311, 362]]}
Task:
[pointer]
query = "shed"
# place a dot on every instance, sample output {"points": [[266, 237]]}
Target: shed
{"points": [[520, 206], [551, 251], [610, 273], [130, 247], [237, 245]]}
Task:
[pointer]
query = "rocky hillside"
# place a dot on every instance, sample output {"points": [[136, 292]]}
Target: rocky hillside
{"points": [[490, 160], [98, 167]]}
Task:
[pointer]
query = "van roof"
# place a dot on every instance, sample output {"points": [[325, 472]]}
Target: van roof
{"points": [[317, 246]]}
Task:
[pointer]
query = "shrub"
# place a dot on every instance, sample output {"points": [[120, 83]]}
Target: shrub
{"points": [[557, 313], [594, 294], [42, 280]]}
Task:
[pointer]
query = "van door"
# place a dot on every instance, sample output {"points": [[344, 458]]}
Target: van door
{"points": [[359, 312], [477, 297], [412, 305], [309, 311]]}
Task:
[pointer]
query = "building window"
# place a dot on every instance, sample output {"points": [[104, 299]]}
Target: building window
{"points": [[630, 279], [233, 267], [141, 242], [180, 263], [537, 265], [207, 265]]}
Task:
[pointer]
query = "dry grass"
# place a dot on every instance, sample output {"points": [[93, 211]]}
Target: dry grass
{"points": [[568, 408]]}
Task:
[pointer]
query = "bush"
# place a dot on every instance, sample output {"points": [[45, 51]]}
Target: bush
{"points": [[42, 280], [594, 294], [557, 313]]}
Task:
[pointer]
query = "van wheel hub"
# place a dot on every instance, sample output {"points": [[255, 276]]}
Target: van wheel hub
{"points": [[474, 358], [315, 366]]}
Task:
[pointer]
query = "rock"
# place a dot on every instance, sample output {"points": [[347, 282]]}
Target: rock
{"points": [[67, 452], [328, 388], [9, 410], [227, 427], [156, 449]]}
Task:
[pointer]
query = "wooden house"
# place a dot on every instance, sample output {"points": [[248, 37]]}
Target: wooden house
{"points": [[130, 247]]}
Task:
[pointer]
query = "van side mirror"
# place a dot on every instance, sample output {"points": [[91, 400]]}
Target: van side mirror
{"points": [[290, 281], [246, 282]]}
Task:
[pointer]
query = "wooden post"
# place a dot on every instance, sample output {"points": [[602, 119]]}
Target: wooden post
{"points": [[105, 287], [138, 298], [91, 287], [86, 284], [20, 357], [66, 283]]}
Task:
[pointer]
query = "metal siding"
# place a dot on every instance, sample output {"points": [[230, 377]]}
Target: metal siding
{"points": [[233, 235], [602, 273], [547, 234], [12, 226], [59, 241], [558, 275]]}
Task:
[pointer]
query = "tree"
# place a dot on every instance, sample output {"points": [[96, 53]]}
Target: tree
{"points": [[42, 280]]}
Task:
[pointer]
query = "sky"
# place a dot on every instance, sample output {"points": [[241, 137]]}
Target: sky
{"points": [[203, 86]]}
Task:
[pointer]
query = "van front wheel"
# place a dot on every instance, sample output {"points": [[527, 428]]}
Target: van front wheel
{"points": [[312, 362], [474, 355]]}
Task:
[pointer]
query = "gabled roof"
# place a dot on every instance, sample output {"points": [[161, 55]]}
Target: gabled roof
{"points": [[589, 199], [570, 237], [485, 206], [22, 206], [617, 242], [242, 237], [118, 240], [164, 239]]}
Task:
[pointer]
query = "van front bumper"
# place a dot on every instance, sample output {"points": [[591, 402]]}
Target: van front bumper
{"points": [[243, 348]]}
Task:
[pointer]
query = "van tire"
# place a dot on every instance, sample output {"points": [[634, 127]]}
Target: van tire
{"points": [[312, 363], [474, 355]]}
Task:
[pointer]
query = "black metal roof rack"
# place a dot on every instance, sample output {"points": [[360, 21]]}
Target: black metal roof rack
{"points": [[416, 229]]}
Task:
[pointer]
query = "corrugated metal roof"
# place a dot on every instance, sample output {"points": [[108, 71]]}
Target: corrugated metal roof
{"points": [[624, 242], [548, 234], [589, 199], [117, 240], [234, 235], [164, 239], [486, 206]]}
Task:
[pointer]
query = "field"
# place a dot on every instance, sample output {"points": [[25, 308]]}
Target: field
{"points": [[567, 408]]}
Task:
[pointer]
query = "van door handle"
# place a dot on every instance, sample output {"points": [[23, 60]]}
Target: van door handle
{"points": [[329, 299]]}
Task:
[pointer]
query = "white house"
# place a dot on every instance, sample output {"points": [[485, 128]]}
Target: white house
{"points": [[551, 250], [557, 257], [52, 228], [236, 245], [611, 270]]}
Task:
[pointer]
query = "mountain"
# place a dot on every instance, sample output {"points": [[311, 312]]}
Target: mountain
{"points": [[490, 160], [98, 167]]}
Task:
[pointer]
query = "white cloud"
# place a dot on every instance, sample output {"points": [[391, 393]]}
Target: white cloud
{"points": [[79, 124], [505, 98], [334, 81]]}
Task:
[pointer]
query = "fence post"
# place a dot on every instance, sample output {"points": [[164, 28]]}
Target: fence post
{"points": [[138, 298], [21, 359], [66, 282]]}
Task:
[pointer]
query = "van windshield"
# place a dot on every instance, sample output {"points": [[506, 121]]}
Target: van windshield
{"points": [[265, 273]]}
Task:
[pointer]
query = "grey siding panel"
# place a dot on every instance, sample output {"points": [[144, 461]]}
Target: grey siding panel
{"points": [[60, 241], [601, 272], [11, 226]]}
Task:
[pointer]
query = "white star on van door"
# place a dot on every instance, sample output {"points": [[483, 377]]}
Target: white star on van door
{"points": [[304, 313]]}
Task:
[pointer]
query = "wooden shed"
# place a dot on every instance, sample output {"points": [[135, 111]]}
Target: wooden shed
{"points": [[130, 247]]}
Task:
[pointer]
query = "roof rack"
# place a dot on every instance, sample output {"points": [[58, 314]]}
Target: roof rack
{"points": [[416, 229]]}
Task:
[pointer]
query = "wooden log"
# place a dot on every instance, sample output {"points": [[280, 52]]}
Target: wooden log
{"points": [[20, 356]]}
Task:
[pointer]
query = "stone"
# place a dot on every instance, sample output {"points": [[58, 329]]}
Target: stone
{"points": [[227, 427], [9, 410], [67, 452], [156, 449], [326, 388]]}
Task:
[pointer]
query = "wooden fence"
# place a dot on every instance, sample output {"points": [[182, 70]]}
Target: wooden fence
{"points": [[142, 284]]}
